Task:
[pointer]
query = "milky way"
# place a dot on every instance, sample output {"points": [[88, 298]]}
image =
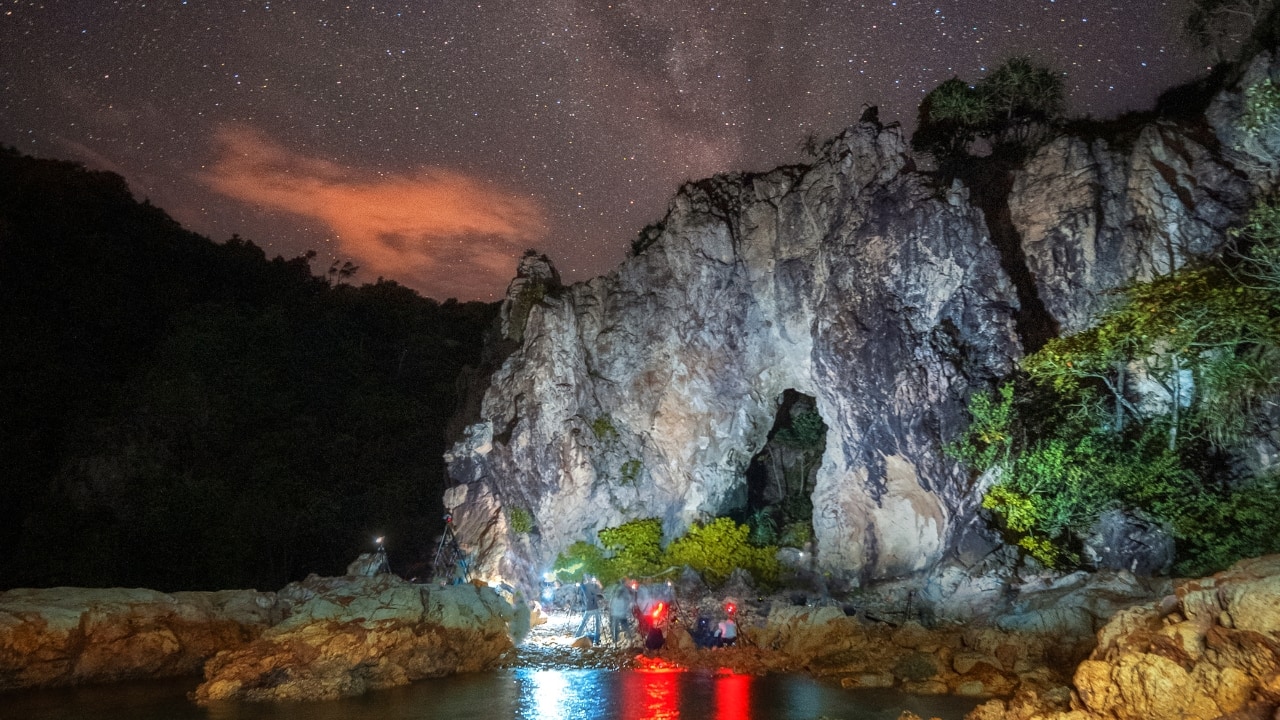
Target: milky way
{"points": [[433, 142]]}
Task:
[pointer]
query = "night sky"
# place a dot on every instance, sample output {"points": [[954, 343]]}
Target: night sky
{"points": [[432, 142]]}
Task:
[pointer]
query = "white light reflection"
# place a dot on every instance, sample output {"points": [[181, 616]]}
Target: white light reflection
{"points": [[562, 695]]}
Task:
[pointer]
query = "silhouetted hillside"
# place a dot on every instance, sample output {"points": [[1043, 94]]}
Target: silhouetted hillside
{"points": [[181, 414]]}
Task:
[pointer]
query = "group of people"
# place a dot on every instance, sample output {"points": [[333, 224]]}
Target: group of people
{"points": [[649, 606]]}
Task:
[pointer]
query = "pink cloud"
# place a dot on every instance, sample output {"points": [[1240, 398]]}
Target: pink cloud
{"points": [[438, 231]]}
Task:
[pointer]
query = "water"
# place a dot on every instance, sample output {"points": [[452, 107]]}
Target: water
{"points": [[524, 694]]}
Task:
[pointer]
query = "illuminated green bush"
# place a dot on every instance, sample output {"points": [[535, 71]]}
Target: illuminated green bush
{"points": [[796, 534], [581, 559], [1261, 106], [717, 548], [635, 548], [1069, 441]]}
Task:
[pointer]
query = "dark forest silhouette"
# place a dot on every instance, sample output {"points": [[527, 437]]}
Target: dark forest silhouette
{"points": [[181, 414]]}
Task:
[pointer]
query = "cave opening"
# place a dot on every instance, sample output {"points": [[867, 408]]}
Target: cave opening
{"points": [[781, 477]]}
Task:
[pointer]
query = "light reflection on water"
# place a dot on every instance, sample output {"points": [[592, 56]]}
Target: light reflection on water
{"points": [[520, 694]]}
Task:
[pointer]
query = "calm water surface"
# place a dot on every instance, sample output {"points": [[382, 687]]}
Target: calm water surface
{"points": [[525, 694]]}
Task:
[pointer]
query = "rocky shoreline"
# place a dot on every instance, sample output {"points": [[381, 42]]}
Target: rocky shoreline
{"points": [[1207, 648], [321, 638]]}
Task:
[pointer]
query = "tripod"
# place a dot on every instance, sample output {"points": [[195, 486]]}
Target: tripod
{"points": [[450, 563]]}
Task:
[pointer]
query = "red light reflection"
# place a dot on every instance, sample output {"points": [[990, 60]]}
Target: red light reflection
{"points": [[652, 694], [733, 696]]}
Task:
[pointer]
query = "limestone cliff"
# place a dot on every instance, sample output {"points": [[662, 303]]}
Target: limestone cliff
{"points": [[855, 281]]}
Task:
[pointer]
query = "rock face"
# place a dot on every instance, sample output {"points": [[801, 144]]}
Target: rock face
{"points": [[70, 636], [645, 393], [1211, 650], [346, 636], [1092, 216]]}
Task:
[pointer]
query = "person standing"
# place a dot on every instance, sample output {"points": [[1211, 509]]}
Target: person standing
{"points": [[590, 588], [622, 601]]}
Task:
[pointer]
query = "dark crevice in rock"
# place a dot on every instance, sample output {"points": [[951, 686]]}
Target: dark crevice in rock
{"points": [[990, 183], [781, 477]]}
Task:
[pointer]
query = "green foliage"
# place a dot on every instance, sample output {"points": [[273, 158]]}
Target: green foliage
{"points": [[635, 549], [581, 559], [796, 534], [630, 471], [1021, 96], [1261, 231], [806, 432], [1072, 443], [520, 520], [603, 428], [988, 439], [1241, 524], [764, 530], [1261, 106], [716, 548], [1010, 108], [951, 118]]}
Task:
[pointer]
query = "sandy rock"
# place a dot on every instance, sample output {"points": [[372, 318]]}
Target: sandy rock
{"points": [[69, 636], [349, 635], [1175, 658]]}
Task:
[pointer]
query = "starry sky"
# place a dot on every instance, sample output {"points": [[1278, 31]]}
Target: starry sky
{"points": [[432, 142]]}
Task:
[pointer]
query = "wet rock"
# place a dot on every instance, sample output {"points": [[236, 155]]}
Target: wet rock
{"points": [[71, 636], [345, 636]]}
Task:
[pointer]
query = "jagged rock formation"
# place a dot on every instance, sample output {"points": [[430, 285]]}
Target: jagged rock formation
{"points": [[348, 635], [1210, 650], [72, 636], [646, 392]]}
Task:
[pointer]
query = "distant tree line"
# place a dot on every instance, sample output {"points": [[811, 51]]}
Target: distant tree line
{"points": [[181, 414]]}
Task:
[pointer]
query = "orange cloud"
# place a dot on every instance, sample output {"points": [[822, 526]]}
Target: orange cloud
{"points": [[438, 231]]}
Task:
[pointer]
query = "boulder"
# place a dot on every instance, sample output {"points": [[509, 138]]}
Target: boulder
{"points": [[71, 636], [1121, 540], [1210, 650], [345, 636], [1213, 651]]}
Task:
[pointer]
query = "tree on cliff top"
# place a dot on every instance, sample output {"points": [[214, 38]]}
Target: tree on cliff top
{"points": [[1012, 109]]}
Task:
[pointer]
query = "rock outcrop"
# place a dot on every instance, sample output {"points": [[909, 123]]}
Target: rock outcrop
{"points": [[853, 281], [72, 636], [1211, 650], [646, 392], [345, 636]]}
